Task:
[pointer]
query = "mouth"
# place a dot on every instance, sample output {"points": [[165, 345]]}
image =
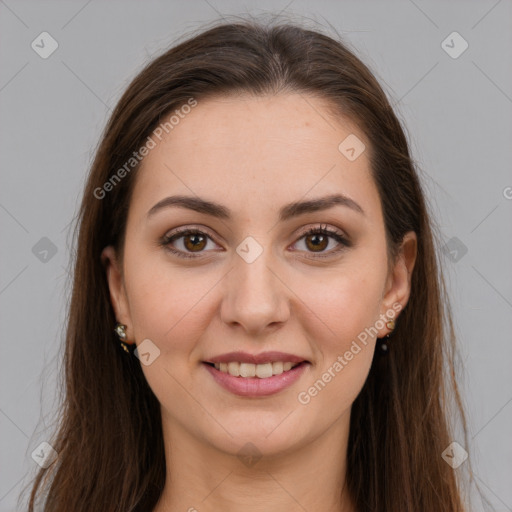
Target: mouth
{"points": [[251, 370], [256, 380]]}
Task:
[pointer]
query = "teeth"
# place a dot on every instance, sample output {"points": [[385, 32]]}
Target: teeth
{"points": [[261, 371], [234, 369], [247, 370]]}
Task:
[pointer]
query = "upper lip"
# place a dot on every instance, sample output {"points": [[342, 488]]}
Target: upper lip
{"points": [[264, 357]]}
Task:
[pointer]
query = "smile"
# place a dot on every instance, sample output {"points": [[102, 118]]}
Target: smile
{"points": [[262, 371], [256, 380]]}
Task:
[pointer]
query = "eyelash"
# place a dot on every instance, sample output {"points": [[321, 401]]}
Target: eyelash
{"points": [[322, 230]]}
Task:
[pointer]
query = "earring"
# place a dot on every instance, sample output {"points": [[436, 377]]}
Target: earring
{"points": [[383, 346], [121, 333]]}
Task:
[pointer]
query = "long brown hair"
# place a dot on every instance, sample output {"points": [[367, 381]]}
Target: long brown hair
{"points": [[109, 440]]}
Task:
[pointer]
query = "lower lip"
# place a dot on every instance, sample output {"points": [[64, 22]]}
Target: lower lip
{"points": [[254, 386]]}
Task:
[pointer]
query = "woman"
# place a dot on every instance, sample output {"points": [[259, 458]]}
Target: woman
{"points": [[258, 319]]}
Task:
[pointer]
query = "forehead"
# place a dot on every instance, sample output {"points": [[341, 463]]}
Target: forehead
{"points": [[251, 152]]}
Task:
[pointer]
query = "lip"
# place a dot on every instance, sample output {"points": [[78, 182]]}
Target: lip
{"points": [[254, 386], [264, 357]]}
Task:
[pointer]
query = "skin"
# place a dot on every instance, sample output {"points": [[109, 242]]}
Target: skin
{"points": [[254, 155]]}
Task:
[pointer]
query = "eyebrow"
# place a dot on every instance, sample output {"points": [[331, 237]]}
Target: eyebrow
{"points": [[285, 213]]}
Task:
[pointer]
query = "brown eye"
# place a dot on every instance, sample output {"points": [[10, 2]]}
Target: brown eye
{"points": [[194, 241], [188, 243], [317, 242]]}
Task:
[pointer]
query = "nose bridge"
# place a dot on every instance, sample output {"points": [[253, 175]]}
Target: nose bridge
{"points": [[255, 297]]}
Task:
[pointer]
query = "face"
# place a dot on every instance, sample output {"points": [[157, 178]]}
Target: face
{"points": [[249, 278]]}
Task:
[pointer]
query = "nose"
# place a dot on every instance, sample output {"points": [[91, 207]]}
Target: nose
{"points": [[256, 297]]}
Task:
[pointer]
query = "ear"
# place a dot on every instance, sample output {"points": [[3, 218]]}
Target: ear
{"points": [[398, 285], [115, 280]]}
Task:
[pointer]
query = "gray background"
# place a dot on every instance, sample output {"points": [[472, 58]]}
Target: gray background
{"points": [[458, 113]]}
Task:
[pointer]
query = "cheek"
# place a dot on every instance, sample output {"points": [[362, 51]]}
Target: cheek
{"points": [[348, 307], [171, 308], [349, 303], [344, 344], [167, 304]]}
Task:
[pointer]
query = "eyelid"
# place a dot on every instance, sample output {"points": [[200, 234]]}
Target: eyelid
{"points": [[323, 227], [186, 229]]}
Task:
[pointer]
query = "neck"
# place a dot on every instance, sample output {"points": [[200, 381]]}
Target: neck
{"points": [[200, 477]]}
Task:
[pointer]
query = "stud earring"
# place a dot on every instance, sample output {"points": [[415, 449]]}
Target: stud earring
{"points": [[120, 330], [383, 345]]}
